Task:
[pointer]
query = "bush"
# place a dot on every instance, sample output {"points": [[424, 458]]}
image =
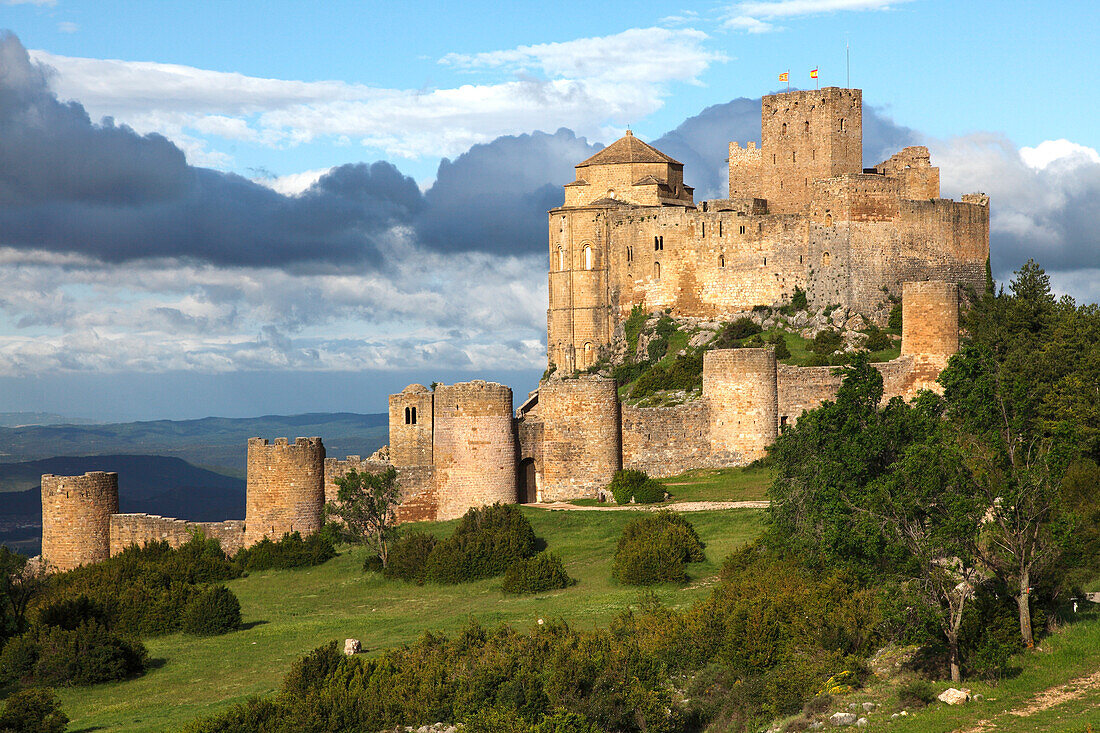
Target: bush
{"points": [[798, 300], [895, 318], [629, 485], [827, 341], [486, 541], [781, 350], [632, 327], [289, 552], [36, 710], [544, 571], [87, 655], [915, 693], [685, 372], [654, 549], [409, 557], [212, 612], [733, 333], [878, 340], [70, 613]]}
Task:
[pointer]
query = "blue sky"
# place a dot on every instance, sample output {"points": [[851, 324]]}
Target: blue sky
{"points": [[364, 281]]}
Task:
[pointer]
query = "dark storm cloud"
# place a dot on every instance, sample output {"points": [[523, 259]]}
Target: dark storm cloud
{"points": [[102, 190]]}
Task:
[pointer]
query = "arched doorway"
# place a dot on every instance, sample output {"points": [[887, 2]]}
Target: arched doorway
{"points": [[527, 484]]}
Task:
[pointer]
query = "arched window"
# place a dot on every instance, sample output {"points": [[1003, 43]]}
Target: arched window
{"points": [[588, 354], [561, 258], [721, 260], [842, 124], [828, 220], [629, 254], [783, 129], [408, 417], [588, 256], [412, 413], [656, 270], [825, 259]]}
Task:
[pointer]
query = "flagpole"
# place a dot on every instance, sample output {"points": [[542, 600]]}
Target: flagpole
{"points": [[788, 80]]}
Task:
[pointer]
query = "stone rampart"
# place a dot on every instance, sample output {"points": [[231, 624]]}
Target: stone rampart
{"points": [[665, 441], [411, 426], [740, 388], [139, 529], [76, 518], [475, 447], [285, 486], [581, 444]]}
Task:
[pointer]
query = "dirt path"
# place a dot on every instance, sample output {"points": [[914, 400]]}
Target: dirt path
{"points": [[683, 506], [1045, 700]]}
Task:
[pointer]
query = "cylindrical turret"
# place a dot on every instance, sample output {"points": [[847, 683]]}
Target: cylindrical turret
{"points": [[475, 446], [929, 318], [582, 440], [76, 518], [285, 488], [741, 390]]}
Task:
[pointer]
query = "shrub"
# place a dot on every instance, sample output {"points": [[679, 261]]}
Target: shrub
{"points": [[409, 556], [654, 549], [632, 327], [827, 341], [69, 613], [817, 705], [627, 372], [878, 340], [486, 541], [895, 318], [685, 372], [36, 710], [629, 485], [86, 655], [733, 333], [798, 300], [289, 552], [915, 693], [544, 571], [212, 612], [781, 350]]}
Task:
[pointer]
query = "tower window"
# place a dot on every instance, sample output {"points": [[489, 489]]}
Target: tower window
{"points": [[792, 156], [807, 125], [828, 220], [721, 260], [656, 270], [773, 158], [588, 360], [842, 124], [588, 257], [704, 229], [825, 258], [561, 258], [783, 129], [719, 229], [412, 414], [742, 229], [765, 262], [629, 254], [658, 244]]}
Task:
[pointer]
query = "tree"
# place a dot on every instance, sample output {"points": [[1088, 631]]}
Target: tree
{"points": [[20, 581], [36, 710], [365, 504]]}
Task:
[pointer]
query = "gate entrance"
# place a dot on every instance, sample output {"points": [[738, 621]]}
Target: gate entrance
{"points": [[528, 491]]}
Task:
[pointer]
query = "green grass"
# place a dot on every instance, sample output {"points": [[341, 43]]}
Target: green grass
{"points": [[289, 613], [722, 484]]}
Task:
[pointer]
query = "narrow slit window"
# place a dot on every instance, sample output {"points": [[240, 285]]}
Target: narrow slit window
{"points": [[656, 270], [721, 260], [588, 257], [412, 413], [561, 258], [742, 230]]}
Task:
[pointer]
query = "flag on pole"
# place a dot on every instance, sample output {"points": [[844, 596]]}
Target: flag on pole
{"points": [[785, 76], [813, 73]]}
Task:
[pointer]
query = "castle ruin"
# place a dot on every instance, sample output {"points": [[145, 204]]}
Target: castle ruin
{"points": [[802, 212]]}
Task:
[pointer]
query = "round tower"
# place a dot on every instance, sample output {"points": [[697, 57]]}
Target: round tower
{"points": [[475, 446], [582, 440], [76, 518], [285, 488], [741, 389], [929, 318]]}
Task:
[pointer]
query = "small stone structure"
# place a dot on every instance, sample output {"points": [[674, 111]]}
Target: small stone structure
{"points": [[76, 518]]}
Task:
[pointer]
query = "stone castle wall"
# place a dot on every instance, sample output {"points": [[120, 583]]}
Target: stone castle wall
{"points": [[581, 446], [475, 447], [285, 487], [666, 441], [139, 529], [76, 518], [740, 387], [411, 426]]}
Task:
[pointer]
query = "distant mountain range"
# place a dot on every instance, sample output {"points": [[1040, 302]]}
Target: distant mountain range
{"points": [[20, 419], [190, 469], [217, 443]]}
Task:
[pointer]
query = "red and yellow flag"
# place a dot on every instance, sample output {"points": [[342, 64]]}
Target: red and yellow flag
{"points": [[813, 73], [784, 76]]}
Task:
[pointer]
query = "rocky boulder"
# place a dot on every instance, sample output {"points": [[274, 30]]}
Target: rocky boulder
{"points": [[951, 696]]}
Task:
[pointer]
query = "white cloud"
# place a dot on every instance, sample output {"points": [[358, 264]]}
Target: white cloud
{"points": [[587, 84], [67, 26], [292, 184], [1061, 151], [757, 16]]}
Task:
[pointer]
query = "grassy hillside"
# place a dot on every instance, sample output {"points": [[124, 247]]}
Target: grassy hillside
{"points": [[217, 443], [291, 612]]}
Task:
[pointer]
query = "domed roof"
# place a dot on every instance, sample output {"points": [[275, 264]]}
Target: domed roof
{"points": [[415, 388]]}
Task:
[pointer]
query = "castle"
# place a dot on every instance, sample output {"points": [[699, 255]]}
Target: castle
{"points": [[802, 212]]}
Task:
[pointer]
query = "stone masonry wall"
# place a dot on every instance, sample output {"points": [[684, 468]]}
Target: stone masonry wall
{"points": [[581, 446], [139, 529], [411, 426], [475, 447], [665, 441], [285, 487], [76, 518], [740, 387]]}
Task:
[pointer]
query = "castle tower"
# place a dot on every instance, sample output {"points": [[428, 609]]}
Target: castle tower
{"points": [[930, 318], [285, 488], [411, 424], [76, 518], [626, 173], [582, 441], [475, 447], [805, 136], [741, 390]]}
